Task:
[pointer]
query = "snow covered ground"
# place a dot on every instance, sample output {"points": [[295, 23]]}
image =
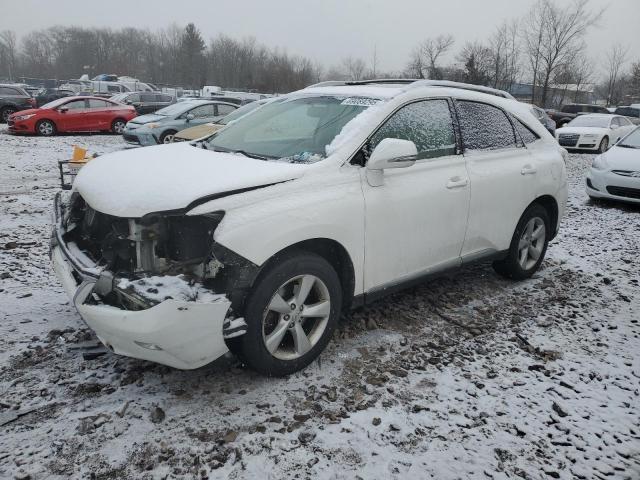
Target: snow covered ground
{"points": [[470, 376]]}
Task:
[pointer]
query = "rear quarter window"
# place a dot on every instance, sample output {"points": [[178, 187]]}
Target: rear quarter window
{"points": [[484, 126]]}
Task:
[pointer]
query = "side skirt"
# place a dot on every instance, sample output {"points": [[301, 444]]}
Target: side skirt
{"points": [[377, 293]]}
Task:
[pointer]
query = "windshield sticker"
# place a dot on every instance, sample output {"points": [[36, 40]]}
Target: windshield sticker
{"points": [[359, 101]]}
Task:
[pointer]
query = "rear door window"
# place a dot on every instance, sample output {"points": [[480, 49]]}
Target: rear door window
{"points": [[484, 127], [427, 123], [9, 91], [93, 103], [147, 97]]}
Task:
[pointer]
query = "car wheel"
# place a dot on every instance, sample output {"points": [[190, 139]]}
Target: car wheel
{"points": [[6, 112], [604, 144], [528, 245], [45, 128], [291, 314], [117, 126], [167, 137]]}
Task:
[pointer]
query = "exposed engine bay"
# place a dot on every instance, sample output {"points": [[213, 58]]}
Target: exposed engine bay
{"points": [[134, 254]]}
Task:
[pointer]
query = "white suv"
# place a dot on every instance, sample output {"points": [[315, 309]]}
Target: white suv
{"points": [[256, 238]]}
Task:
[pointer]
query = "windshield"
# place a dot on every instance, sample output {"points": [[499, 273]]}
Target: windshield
{"points": [[56, 103], [176, 108], [295, 129], [585, 121], [632, 140]]}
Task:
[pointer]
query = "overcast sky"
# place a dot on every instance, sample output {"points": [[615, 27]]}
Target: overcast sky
{"points": [[323, 30]]}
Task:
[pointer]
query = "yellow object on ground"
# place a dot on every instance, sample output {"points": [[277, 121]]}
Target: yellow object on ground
{"points": [[79, 154]]}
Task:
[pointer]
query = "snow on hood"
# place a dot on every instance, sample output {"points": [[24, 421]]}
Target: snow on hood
{"points": [[621, 158], [582, 130], [133, 183], [149, 118]]}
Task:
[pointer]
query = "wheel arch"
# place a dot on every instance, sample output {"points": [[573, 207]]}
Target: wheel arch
{"points": [[551, 206], [333, 252]]}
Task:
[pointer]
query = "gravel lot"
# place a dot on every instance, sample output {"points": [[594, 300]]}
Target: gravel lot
{"points": [[466, 377]]}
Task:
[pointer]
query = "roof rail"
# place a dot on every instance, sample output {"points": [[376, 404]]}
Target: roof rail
{"points": [[415, 82]]}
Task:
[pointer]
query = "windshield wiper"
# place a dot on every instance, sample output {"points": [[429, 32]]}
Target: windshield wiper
{"points": [[624, 145]]}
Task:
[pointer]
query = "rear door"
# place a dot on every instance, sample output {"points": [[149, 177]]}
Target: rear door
{"points": [[502, 174], [99, 115], [148, 103]]}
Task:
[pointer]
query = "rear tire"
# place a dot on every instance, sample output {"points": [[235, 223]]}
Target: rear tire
{"points": [[45, 128], [528, 245], [286, 328], [167, 137], [5, 113], [604, 144], [117, 126]]}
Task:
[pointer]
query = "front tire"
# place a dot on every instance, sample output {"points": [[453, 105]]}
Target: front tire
{"points": [[528, 245], [604, 144], [6, 112], [167, 137], [291, 314], [45, 128], [117, 127]]}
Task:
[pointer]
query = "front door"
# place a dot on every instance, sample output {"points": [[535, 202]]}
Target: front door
{"points": [[74, 119], [415, 221]]}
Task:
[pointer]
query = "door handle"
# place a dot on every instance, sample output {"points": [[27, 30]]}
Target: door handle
{"points": [[457, 182], [528, 170]]}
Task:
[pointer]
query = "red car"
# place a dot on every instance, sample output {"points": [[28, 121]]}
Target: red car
{"points": [[73, 114]]}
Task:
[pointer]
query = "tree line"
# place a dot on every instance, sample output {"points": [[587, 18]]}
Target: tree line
{"points": [[544, 49], [171, 56]]}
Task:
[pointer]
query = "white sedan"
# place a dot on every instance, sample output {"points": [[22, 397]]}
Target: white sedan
{"points": [[615, 174], [593, 132]]}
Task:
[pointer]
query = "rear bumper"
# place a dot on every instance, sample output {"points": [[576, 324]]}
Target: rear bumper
{"points": [[180, 334]]}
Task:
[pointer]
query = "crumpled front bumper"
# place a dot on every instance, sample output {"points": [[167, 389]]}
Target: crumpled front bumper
{"points": [[180, 334]]}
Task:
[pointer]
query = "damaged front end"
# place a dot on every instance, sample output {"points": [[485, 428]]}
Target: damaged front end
{"points": [[143, 265]]}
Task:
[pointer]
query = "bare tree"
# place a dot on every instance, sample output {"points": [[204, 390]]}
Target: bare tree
{"points": [[354, 67], [477, 61], [8, 52], [554, 35], [616, 58], [505, 52], [432, 50]]}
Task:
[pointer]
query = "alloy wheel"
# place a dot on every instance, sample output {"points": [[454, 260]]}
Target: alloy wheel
{"points": [[531, 243], [118, 127], [168, 138], [296, 317], [45, 128]]}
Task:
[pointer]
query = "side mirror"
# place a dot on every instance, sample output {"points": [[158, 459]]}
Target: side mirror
{"points": [[63, 109], [614, 127], [390, 153], [190, 116]]}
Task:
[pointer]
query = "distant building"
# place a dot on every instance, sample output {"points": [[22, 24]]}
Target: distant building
{"points": [[558, 94]]}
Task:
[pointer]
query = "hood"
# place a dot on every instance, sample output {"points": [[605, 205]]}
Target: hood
{"points": [[133, 183], [582, 130], [620, 158], [29, 111], [199, 131], [149, 118]]}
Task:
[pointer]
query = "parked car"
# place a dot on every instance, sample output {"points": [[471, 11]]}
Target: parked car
{"points": [[572, 110], [47, 95], [544, 119], [632, 113], [615, 175], [72, 114], [257, 239], [593, 132], [161, 126], [207, 129], [144, 102], [12, 100]]}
